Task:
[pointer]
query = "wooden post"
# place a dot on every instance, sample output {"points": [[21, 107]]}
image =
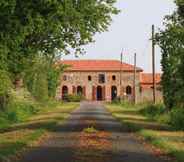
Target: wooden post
{"points": [[121, 94], [135, 62], [153, 63]]}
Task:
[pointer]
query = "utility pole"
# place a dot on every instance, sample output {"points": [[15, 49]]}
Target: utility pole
{"points": [[121, 95], [153, 63], [135, 64]]}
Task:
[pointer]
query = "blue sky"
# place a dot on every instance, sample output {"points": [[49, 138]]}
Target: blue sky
{"points": [[131, 31]]}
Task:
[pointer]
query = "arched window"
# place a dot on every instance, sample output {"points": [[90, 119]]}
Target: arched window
{"points": [[114, 77], [89, 78], [79, 90], [64, 92], [128, 90]]}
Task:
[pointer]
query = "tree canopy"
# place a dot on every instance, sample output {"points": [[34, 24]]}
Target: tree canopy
{"points": [[49, 27], [171, 41]]}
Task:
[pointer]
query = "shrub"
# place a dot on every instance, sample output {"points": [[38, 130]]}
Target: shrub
{"points": [[18, 112], [74, 98], [5, 86], [177, 118], [40, 86], [116, 101], [153, 111]]}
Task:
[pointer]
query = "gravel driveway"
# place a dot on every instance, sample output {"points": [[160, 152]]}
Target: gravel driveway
{"points": [[109, 141]]}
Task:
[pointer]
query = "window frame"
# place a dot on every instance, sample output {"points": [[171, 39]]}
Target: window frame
{"points": [[101, 78]]}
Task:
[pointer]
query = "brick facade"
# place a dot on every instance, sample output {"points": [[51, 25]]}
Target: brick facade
{"points": [[86, 82]]}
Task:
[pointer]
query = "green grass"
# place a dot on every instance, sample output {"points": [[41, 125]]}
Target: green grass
{"points": [[160, 135], [90, 130], [15, 137]]}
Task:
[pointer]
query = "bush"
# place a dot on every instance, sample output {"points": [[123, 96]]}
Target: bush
{"points": [[5, 86], [116, 101], [153, 111], [177, 118], [74, 98], [18, 112]]}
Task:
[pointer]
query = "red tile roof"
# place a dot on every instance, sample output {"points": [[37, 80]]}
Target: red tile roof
{"points": [[98, 65], [146, 80]]}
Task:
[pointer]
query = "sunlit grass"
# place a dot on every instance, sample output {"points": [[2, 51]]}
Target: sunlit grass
{"points": [[21, 135], [90, 130], [160, 135]]}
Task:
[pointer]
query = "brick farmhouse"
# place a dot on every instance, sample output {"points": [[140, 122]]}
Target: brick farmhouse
{"points": [[106, 80]]}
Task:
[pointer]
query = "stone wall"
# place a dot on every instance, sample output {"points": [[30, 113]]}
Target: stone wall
{"points": [[81, 79]]}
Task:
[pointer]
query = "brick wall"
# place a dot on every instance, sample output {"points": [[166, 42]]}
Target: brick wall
{"points": [[74, 79]]}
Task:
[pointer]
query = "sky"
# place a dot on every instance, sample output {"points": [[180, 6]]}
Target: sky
{"points": [[130, 32]]}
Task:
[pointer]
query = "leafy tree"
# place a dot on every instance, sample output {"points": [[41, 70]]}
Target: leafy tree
{"points": [[171, 41], [50, 27], [47, 28], [5, 85], [54, 74], [39, 81]]}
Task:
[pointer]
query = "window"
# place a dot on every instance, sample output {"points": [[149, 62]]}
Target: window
{"points": [[64, 77], [64, 92], [128, 90], [89, 78], [79, 90], [113, 77], [101, 78]]}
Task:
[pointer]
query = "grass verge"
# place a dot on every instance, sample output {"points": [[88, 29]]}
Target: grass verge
{"points": [[160, 135], [14, 138]]}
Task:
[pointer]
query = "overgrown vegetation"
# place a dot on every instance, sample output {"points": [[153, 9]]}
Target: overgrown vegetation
{"points": [[35, 34], [145, 121], [26, 120], [171, 41], [74, 98]]}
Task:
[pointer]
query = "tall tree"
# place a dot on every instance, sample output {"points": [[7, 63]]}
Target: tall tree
{"points": [[171, 41], [50, 27]]}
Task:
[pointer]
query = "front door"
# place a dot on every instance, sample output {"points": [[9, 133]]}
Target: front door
{"points": [[113, 92], [99, 93]]}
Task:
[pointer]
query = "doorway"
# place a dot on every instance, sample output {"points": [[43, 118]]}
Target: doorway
{"points": [[99, 93], [113, 93], [79, 91], [64, 92]]}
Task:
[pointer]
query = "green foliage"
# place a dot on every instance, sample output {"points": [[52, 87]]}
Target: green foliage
{"points": [[74, 98], [40, 86], [54, 74], [20, 111], [171, 41], [5, 86], [153, 111], [29, 28], [33, 29], [177, 118], [36, 79], [5, 83], [156, 112], [90, 130]]}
